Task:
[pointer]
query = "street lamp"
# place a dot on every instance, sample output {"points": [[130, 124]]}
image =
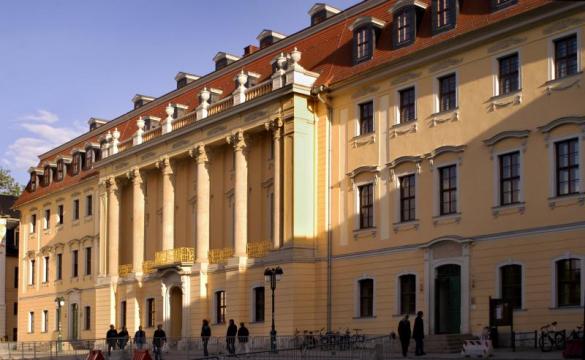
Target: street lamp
{"points": [[273, 275], [59, 303]]}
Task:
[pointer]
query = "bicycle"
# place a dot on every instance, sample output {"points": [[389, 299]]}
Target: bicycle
{"points": [[357, 339], [551, 338]]}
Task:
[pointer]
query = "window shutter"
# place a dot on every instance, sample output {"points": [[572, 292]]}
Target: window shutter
{"points": [[354, 47], [371, 42], [395, 32], [412, 29], [452, 13], [434, 8]]}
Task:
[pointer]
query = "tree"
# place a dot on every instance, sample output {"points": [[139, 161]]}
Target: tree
{"points": [[8, 186]]}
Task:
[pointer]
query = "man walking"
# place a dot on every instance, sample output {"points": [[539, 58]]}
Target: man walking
{"points": [[205, 335], [140, 338], [243, 335], [123, 337], [158, 341], [111, 338], [418, 334], [404, 334], [232, 331]]}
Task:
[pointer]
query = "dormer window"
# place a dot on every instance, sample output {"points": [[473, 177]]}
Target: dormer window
{"points": [[268, 37], [365, 31], [47, 175], [500, 4], [321, 12], [407, 16], [77, 163], [444, 15], [222, 59], [151, 122], [33, 181], [88, 158], [60, 170]]}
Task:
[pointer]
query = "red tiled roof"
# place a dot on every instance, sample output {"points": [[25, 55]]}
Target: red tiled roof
{"points": [[327, 52]]}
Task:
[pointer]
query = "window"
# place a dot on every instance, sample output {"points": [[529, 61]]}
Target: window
{"points": [[511, 285], [59, 272], [366, 206], [150, 319], [87, 318], [123, 313], [75, 259], [362, 39], [88, 159], [33, 181], [509, 178], [47, 219], [87, 261], [568, 282], [15, 308], [16, 277], [259, 304], [366, 118], [76, 209], [366, 288], [407, 294], [45, 321], [31, 322], [220, 307], [448, 190], [88, 205], [566, 56], [407, 198], [33, 223], [46, 269], [47, 176], [444, 15], [31, 280], [500, 4], [60, 213], [508, 75], [407, 105], [404, 27], [447, 92], [75, 163], [567, 167], [60, 170]]}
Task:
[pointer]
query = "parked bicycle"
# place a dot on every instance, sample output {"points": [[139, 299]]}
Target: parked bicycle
{"points": [[550, 338]]}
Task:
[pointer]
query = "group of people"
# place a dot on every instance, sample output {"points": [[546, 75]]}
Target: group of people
{"points": [[242, 334], [120, 339], [417, 333]]}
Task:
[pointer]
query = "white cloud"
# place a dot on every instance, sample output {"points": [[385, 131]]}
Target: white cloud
{"points": [[42, 116]]}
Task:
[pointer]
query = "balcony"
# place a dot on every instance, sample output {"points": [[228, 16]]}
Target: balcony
{"points": [[174, 257], [220, 256], [148, 267], [258, 249], [124, 270]]}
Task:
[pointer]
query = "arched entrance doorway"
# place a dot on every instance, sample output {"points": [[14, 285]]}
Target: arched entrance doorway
{"points": [[448, 299], [176, 302]]}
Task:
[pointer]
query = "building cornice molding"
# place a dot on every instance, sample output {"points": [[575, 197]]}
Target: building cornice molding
{"points": [[508, 134], [405, 160], [574, 120], [445, 150]]}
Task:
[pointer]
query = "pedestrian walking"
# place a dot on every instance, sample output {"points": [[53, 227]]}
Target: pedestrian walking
{"points": [[243, 335], [158, 342], [123, 338], [232, 332], [111, 338], [404, 334], [140, 338], [418, 334], [205, 335]]}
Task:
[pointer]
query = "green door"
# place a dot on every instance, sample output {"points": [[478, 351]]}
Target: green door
{"points": [[448, 299]]}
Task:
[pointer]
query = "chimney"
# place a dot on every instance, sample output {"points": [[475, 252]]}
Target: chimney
{"points": [[95, 123], [250, 49], [223, 59], [268, 37], [321, 12], [184, 78], [140, 100]]}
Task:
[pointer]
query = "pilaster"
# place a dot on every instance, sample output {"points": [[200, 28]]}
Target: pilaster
{"points": [[238, 141], [168, 198]]}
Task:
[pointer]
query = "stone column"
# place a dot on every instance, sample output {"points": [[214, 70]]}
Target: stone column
{"points": [[168, 212], [202, 212], [240, 194], [275, 127], [113, 225], [137, 220], [102, 254]]}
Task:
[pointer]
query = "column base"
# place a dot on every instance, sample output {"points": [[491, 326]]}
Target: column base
{"points": [[240, 262]]}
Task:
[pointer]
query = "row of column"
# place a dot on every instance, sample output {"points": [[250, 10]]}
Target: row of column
{"points": [[199, 153]]}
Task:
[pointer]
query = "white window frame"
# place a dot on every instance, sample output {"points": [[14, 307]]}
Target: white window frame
{"points": [[397, 213], [33, 223], [498, 287], [87, 207], [85, 256], [551, 143], [496, 70], [44, 321], [398, 292], [147, 313], [551, 51], [214, 305], [73, 276], [496, 175], [46, 221], [436, 89], [357, 204], [397, 120], [31, 271], [46, 260], [253, 303], [31, 322], [60, 218], [357, 299], [73, 209], [437, 186], [566, 256], [358, 102]]}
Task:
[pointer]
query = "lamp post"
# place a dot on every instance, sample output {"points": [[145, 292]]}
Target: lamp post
{"points": [[59, 303], [273, 275]]}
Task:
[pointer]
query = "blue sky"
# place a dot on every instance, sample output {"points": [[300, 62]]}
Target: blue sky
{"points": [[64, 61]]}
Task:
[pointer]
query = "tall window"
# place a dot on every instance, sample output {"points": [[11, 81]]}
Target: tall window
{"points": [[569, 282], [60, 170], [75, 259], [407, 294], [510, 178], [33, 223], [59, 270], [31, 322], [362, 38], [123, 313], [88, 205], [87, 318], [567, 167], [407, 105], [366, 204], [566, 56], [511, 285], [47, 219], [15, 308], [76, 209], [259, 304], [366, 288], [46, 269], [447, 92], [444, 13], [220, 307], [448, 190], [87, 261], [45, 321], [16, 277], [60, 214], [76, 163], [366, 118], [509, 74], [404, 27], [150, 312], [31, 280], [407, 198], [47, 176], [33, 181], [88, 158]]}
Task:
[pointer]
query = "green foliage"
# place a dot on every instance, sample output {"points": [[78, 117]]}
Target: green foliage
{"points": [[8, 186]]}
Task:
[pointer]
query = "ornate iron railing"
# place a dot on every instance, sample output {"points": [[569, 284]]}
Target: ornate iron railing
{"points": [[220, 256], [258, 249], [182, 255], [124, 270], [148, 267]]}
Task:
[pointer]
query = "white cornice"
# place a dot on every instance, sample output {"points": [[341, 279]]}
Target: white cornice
{"points": [[138, 97], [223, 55], [183, 75], [363, 20], [321, 6], [266, 33], [402, 3]]}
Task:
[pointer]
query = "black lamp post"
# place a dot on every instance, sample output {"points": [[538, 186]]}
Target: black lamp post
{"points": [[273, 275], [59, 302]]}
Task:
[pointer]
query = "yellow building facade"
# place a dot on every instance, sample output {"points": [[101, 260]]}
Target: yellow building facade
{"points": [[424, 169]]}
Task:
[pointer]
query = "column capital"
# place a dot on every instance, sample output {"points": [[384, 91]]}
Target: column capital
{"points": [[274, 126], [199, 153], [164, 164], [135, 176], [237, 139], [112, 184]]}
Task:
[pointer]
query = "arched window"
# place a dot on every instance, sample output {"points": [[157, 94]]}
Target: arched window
{"points": [[568, 276], [407, 293], [366, 298], [511, 284]]}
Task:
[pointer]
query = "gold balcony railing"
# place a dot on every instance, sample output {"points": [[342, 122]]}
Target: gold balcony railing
{"points": [[258, 249], [183, 255], [220, 256], [125, 270], [148, 266]]}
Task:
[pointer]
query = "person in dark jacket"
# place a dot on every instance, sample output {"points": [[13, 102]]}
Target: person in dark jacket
{"points": [[205, 335], [232, 332], [243, 335], [418, 334], [111, 338], [404, 334], [123, 337], [140, 338], [159, 339]]}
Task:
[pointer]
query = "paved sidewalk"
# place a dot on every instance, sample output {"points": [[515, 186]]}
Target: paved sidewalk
{"points": [[498, 354]]}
